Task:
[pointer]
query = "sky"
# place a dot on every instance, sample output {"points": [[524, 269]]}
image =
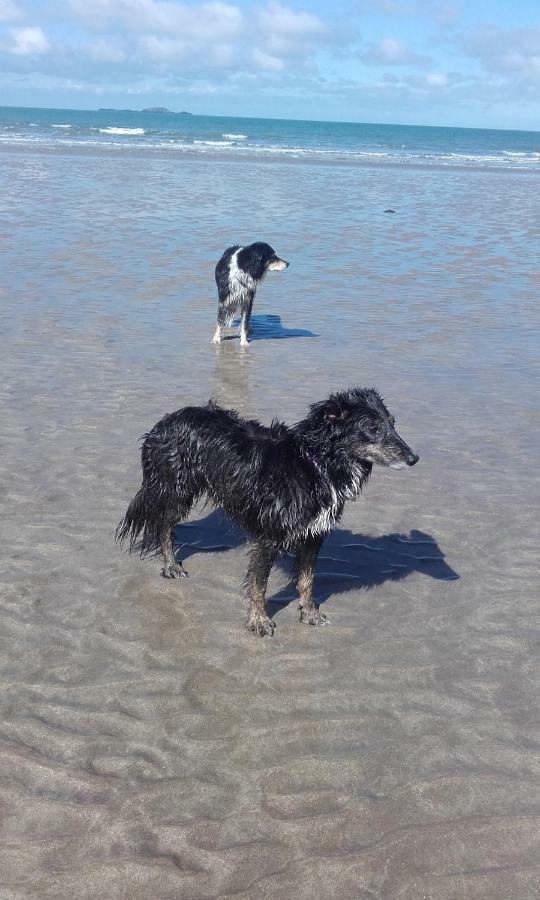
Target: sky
{"points": [[427, 62]]}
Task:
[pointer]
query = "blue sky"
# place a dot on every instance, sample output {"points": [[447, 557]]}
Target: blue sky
{"points": [[429, 62]]}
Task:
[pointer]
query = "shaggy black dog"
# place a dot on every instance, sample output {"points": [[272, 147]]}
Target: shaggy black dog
{"points": [[238, 275], [286, 486]]}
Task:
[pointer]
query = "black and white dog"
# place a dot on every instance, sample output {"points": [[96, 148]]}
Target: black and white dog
{"points": [[285, 486], [238, 275]]}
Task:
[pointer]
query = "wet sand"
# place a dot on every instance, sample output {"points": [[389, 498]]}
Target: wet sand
{"points": [[151, 747]]}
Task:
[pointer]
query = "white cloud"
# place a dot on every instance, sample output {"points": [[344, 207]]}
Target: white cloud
{"points": [[443, 13], [27, 41], [280, 20], [9, 11], [505, 51], [216, 34], [390, 52], [162, 49], [437, 80], [266, 61], [204, 21], [105, 50], [284, 33]]}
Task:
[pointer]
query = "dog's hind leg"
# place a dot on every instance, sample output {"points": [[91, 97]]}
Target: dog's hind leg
{"points": [[224, 314], [306, 558], [172, 568], [244, 322], [262, 559]]}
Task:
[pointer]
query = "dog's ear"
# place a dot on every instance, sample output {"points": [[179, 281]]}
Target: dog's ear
{"points": [[335, 413], [252, 260]]}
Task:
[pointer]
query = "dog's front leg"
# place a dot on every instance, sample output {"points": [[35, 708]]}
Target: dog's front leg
{"points": [[306, 558], [250, 308], [262, 559]]}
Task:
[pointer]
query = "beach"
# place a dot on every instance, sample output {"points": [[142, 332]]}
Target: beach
{"points": [[150, 746]]}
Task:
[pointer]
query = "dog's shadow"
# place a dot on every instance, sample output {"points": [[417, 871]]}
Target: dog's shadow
{"points": [[213, 534], [270, 328], [347, 561], [358, 562]]}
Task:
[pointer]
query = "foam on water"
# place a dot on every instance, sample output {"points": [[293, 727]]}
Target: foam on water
{"points": [[122, 130], [213, 143]]}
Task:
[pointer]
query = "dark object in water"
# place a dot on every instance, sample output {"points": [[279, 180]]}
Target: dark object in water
{"points": [[389, 210]]}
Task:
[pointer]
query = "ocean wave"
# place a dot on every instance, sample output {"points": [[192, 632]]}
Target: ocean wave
{"points": [[112, 130], [523, 154], [148, 140], [213, 143], [235, 137], [470, 157], [60, 126]]}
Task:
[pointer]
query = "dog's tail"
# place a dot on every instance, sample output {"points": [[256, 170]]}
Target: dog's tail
{"points": [[142, 515]]}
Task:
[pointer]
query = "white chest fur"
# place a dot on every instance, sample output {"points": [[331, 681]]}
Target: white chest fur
{"points": [[323, 521]]}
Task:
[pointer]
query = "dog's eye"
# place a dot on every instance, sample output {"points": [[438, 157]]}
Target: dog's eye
{"points": [[370, 431]]}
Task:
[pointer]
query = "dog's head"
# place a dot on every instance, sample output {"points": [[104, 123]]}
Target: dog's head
{"points": [[258, 259], [365, 428]]}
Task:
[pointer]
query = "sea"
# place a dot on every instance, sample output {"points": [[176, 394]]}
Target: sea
{"points": [[124, 130]]}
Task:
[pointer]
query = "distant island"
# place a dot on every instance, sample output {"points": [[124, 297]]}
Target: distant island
{"points": [[151, 109], [163, 109]]}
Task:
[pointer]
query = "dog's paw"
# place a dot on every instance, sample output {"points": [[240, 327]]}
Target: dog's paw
{"points": [[312, 616], [216, 339], [244, 343], [176, 571], [261, 625]]}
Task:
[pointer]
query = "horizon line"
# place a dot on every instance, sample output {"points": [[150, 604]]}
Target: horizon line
{"points": [[269, 118]]}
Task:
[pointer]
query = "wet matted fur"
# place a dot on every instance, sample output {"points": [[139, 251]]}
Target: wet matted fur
{"points": [[239, 272], [286, 486]]}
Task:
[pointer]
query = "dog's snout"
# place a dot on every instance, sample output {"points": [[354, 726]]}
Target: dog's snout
{"points": [[278, 265], [406, 454]]}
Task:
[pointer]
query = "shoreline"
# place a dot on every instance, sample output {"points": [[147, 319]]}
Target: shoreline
{"points": [[241, 155]]}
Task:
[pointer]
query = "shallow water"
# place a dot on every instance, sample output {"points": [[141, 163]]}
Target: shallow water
{"points": [[150, 746]]}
